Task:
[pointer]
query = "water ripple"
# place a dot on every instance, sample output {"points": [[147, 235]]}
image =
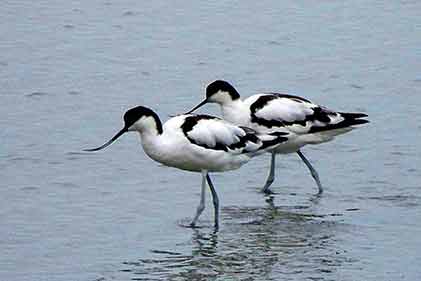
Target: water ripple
{"points": [[400, 200], [254, 244], [36, 94]]}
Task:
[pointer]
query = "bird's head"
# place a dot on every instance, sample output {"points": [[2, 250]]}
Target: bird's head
{"points": [[139, 119], [220, 92]]}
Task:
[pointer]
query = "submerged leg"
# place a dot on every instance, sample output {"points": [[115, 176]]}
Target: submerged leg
{"points": [[313, 172], [271, 176], [201, 206], [215, 201]]}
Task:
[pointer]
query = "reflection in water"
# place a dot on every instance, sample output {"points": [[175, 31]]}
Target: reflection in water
{"points": [[268, 243]]}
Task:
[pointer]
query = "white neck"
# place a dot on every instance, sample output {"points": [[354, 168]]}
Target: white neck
{"points": [[152, 144], [150, 136], [236, 112]]}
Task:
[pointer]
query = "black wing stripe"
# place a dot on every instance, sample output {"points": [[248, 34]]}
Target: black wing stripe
{"points": [[296, 98], [192, 120], [319, 114], [262, 101]]}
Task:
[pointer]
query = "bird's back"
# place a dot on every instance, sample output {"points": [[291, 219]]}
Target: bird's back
{"points": [[197, 142], [299, 115]]}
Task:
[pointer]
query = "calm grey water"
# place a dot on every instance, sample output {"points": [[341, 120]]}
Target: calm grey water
{"points": [[69, 70]]}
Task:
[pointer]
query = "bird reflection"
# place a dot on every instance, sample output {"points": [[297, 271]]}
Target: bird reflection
{"points": [[205, 243], [255, 243]]}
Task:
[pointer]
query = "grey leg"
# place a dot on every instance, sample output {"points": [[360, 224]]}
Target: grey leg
{"points": [[271, 176], [215, 201], [201, 206], [313, 172]]}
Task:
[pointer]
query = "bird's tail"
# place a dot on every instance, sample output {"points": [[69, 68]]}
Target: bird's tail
{"points": [[271, 140], [339, 122], [261, 143], [351, 119]]}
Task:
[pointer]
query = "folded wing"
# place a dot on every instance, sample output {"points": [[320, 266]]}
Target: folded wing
{"points": [[214, 133], [298, 115]]}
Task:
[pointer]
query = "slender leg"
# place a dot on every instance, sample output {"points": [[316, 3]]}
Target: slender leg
{"points": [[201, 206], [271, 176], [313, 172], [215, 201]]}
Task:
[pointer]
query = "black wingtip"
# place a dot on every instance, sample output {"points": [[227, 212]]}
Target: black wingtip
{"points": [[359, 122], [352, 115], [352, 118], [282, 139], [274, 142]]}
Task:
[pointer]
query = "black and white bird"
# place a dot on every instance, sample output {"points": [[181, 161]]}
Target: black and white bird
{"points": [[198, 143], [267, 113]]}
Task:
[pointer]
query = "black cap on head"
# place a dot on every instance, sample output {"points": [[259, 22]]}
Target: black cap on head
{"points": [[215, 87], [135, 113], [221, 85]]}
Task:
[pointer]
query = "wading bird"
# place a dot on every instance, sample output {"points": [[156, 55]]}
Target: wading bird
{"points": [[198, 143], [306, 122]]}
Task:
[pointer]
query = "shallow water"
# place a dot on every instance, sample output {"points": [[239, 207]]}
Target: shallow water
{"points": [[68, 71]]}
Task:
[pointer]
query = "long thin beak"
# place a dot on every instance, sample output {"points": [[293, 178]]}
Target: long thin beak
{"points": [[197, 106], [124, 130]]}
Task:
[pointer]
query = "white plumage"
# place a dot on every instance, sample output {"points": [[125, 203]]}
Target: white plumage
{"points": [[303, 121], [199, 143]]}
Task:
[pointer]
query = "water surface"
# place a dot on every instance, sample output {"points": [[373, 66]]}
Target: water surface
{"points": [[69, 70]]}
